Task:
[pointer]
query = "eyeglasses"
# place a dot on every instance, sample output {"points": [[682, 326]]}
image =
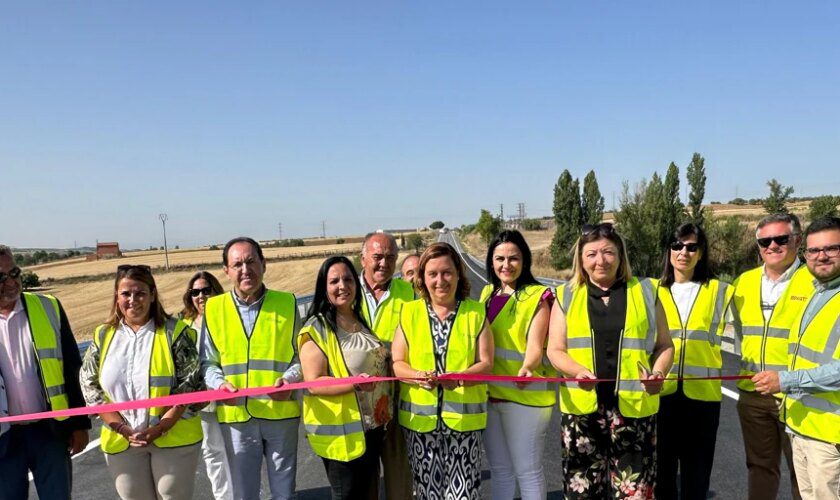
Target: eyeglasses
{"points": [[689, 247], [779, 240], [603, 229], [206, 291], [13, 273], [831, 251], [126, 268]]}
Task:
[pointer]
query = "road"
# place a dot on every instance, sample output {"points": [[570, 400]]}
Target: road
{"points": [[91, 478]]}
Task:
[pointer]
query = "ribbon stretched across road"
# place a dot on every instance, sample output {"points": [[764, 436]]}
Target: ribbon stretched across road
{"points": [[220, 395]]}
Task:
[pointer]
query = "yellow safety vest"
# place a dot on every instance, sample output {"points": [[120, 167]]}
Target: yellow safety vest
{"points": [[636, 346], [186, 431], [388, 311], [763, 344], [697, 342], [464, 408], [816, 415], [510, 332], [255, 361], [333, 423], [43, 314]]}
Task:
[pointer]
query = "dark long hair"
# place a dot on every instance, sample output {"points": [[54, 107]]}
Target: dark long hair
{"points": [[702, 272], [321, 305], [189, 311], [526, 277]]}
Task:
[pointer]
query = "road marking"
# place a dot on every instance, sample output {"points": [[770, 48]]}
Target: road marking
{"points": [[466, 261]]}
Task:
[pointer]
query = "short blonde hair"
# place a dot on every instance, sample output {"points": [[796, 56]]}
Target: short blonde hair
{"points": [[604, 231]]}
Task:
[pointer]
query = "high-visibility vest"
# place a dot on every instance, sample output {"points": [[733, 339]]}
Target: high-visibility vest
{"points": [[763, 344], [186, 431], [816, 414], [636, 346], [387, 316], [43, 314], [255, 361], [510, 334], [464, 408], [697, 342], [333, 423]]}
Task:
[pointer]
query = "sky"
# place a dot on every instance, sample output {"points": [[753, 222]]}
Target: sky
{"points": [[234, 117]]}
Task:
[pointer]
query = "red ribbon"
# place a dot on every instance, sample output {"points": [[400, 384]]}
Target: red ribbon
{"points": [[219, 394]]}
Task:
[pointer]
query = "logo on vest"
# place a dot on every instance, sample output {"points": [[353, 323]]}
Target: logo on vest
{"points": [[799, 298]]}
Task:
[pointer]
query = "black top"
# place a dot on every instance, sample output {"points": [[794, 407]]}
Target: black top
{"points": [[607, 322]]}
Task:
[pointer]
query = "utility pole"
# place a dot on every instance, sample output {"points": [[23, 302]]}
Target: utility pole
{"points": [[324, 229], [279, 231], [521, 207], [163, 218], [502, 211]]}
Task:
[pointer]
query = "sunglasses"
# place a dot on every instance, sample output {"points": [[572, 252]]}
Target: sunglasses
{"points": [[689, 247], [830, 251], [206, 291], [13, 273], [780, 240], [603, 229]]}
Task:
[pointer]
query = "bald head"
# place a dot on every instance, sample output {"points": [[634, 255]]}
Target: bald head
{"points": [[379, 258]]}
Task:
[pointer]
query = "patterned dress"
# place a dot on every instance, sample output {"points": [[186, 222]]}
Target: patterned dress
{"points": [[446, 464]]}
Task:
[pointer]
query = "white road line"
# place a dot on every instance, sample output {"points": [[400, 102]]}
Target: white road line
{"points": [[467, 262]]}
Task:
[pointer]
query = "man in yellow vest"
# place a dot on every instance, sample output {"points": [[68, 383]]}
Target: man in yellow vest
{"points": [[383, 299], [39, 361], [811, 382], [248, 341], [765, 303]]}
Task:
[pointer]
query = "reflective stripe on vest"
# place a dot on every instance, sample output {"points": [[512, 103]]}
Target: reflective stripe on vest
{"points": [[636, 346], [510, 334], [816, 415], [185, 432], [42, 312], [333, 424], [464, 408], [388, 311], [697, 342], [257, 360], [763, 344]]}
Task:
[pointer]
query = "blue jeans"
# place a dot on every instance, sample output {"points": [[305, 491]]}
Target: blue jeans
{"points": [[36, 448]]}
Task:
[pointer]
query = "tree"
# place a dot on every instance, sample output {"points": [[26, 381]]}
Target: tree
{"points": [[567, 220], [696, 174], [436, 225], [488, 226], [823, 206], [531, 224], [415, 242], [675, 212], [592, 203], [731, 247], [30, 280], [643, 219], [778, 197]]}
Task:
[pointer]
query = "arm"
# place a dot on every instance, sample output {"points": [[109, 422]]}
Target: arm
{"points": [[315, 367], [399, 355], [293, 373], [211, 361], [536, 340], [557, 350], [824, 378], [663, 354]]}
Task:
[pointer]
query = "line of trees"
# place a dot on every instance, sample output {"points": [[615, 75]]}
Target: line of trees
{"points": [[573, 209]]}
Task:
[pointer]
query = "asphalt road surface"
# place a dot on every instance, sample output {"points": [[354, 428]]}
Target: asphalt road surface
{"points": [[91, 478]]}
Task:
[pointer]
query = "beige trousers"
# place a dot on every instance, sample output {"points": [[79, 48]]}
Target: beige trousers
{"points": [[817, 468], [152, 472]]}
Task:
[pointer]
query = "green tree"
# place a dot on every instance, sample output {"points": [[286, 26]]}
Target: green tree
{"points": [[592, 203], [415, 242], [488, 226], [823, 206], [642, 219], [776, 201], [531, 224], [436, 225], [567, 220], [731, 247], [30, 280], [675, 212], [696, 174]]}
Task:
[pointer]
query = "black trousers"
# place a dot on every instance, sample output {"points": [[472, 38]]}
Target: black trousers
{"points": [[358, 479], [685, 442]]}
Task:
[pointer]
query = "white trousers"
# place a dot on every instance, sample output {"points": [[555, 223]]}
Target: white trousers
{"points": [[215, 457], [817, 466], [514, 441]]}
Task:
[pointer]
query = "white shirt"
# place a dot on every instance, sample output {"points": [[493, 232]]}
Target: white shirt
{"points": [[684, 295], [18, 365], [370, 298], [125, 372], [772, 290]]}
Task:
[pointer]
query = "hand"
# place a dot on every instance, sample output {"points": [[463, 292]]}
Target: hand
{"points": [[427, 380], [146, 437], [365, 387], [450, 384], [228, 387], [586, 374], [280, 395], [524, 372], [767, 382], [652, 382], [78, 441]]}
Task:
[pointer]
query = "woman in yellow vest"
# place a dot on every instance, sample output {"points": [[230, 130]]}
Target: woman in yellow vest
{"points": [[201, 286], [443, 332], [518, 309], [345, 424], [141, 352], [606, 324], [689, 411]]}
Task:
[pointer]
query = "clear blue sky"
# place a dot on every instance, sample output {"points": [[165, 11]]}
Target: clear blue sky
{"points": [[234, 116]]}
